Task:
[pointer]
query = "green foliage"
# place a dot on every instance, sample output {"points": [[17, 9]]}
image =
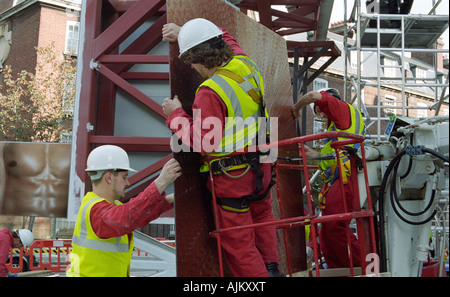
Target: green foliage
{"points": [[38, 107]]}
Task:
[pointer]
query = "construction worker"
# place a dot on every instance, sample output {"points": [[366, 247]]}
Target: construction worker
{"points": [[15, 240], [103, 235], [241, 183], [340, 116]]}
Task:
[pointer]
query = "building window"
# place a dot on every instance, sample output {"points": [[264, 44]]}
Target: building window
{"points": [[389, 67], [318, 126], [421, 73], [422, 113], [15, 2], [320, 83], [390, 101], [72, 37], [354, 60]]}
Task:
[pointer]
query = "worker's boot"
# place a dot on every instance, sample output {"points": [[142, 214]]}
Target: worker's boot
{"points": [[272, 268]]}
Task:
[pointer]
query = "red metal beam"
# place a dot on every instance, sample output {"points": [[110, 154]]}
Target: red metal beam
{"points": [[134, 59], [107, 25], [302, 18], [150, 170], [130, 89], [133, 143], [86, 101], [145, 75], [125, 25]]}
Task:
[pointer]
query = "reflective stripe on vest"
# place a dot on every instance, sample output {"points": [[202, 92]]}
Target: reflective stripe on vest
{"points": [[356, 127], [243, 112], [94, 256], [84, 241]]}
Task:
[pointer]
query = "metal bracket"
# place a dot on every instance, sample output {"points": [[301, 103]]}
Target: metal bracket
{"points": [[89, 127], [93, 64]]}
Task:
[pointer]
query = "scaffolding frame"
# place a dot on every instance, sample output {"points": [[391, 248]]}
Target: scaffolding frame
{"points": [[390, 42]]}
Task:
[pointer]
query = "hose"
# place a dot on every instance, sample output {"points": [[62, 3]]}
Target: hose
{"points": [[383, 262], [393, 165], [397, 202]]}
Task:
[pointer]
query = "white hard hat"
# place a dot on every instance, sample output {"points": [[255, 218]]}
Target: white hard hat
{"points": [[195, 32], [26, 237], [312, 107], [333, 92], [107, 157]]}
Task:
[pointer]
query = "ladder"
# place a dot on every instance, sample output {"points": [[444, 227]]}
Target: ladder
{"points": [[391, 37]]}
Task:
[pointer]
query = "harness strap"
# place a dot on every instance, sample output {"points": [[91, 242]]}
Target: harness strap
{"points": [[241, 204], [244, 84], [239, 162]]}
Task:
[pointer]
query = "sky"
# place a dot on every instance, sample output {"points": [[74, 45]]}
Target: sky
{"points": [[419, 7]]}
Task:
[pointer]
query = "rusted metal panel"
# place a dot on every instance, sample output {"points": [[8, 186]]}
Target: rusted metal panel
{"points": [[196, 251]]}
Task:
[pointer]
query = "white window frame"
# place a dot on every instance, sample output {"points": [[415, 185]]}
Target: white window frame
{"points": [[318, 126], [390, 110], [421, 113], [354, 60], [421, 73], [71, 38], [389, 67], [320, 83]]}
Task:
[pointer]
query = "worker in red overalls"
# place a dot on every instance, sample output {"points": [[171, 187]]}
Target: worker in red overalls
{"points": [[233, 89], [15, 240], [340, 116]]}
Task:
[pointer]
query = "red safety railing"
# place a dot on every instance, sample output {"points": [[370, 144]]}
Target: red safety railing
{"points": [[364, 218], [50, 255]]}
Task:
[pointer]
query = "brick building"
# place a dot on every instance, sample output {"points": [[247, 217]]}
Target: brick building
{"points": [[25, 25]]}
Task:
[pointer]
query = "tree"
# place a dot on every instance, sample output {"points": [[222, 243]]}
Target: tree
{"points": [[38, 106]]}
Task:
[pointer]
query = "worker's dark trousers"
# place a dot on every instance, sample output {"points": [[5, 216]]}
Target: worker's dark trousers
{"points": [[247, 250], [333, 235]]}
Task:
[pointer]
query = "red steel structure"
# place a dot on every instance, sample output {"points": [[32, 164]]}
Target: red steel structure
{"points": [[107, 58], [107, 23]]}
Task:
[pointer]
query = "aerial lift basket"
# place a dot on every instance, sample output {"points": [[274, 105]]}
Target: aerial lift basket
{"points": [[364, 217]]}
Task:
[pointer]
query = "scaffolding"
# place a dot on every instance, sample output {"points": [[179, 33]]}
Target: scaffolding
{"points": [[382, 37], [393, 36]]}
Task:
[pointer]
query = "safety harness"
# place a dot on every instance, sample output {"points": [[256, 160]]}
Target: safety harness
{"points": [[247, 161], [329, 167]]}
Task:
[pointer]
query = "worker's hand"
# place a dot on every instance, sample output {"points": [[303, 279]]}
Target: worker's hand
{"points": [[295, 112], [311, 153], [170, 32], [309, 254], [169, 105], [170, 198], [170, 172]]}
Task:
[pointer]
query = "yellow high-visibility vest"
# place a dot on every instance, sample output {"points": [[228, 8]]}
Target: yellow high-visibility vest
{"points": [[357, 127], [93, 256], [240, 86]]}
